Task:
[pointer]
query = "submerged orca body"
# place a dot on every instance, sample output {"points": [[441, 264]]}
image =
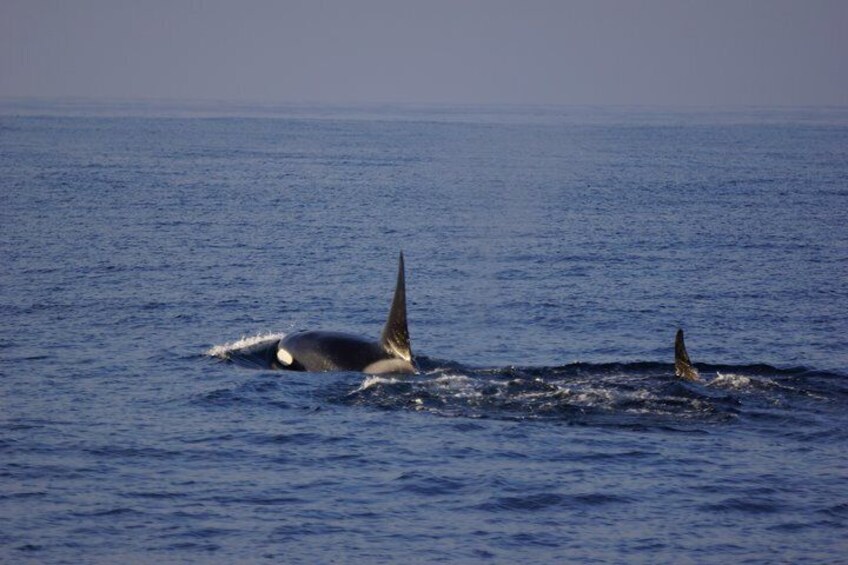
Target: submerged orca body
{"points": [[317, 351], [683, 367]]}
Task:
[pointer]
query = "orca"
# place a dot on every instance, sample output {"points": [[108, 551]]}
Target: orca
{"points": [[683, 367], [321, 351]]}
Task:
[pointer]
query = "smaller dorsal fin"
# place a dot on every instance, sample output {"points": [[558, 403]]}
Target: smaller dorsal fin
{"points": [[395, 336], [682, 365]]}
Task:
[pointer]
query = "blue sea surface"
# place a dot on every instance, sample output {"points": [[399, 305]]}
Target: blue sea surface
{"points": [[551, 255]]}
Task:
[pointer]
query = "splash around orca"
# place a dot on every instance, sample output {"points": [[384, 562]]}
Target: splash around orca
{"points": [[318, 351]]}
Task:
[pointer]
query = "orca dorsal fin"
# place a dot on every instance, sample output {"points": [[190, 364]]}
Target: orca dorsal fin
{"points": [[682, 365], [395, 336]]}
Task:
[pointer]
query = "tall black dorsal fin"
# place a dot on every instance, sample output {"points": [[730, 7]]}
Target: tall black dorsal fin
{"points": [[682, 366], [395, 337]]}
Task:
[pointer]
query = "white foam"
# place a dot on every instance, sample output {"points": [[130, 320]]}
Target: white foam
{"points": [[594, 397], [374, 380], [453, 380], [731, 380], [244, 342]]}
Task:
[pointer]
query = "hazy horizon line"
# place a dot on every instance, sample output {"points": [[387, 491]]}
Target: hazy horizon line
{"points": [[340, 103]]}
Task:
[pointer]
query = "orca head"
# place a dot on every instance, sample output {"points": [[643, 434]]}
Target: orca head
{"points": [[286, 360]]}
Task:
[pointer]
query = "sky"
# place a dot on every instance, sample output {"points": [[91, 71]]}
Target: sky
{"points": [[536, 52]]}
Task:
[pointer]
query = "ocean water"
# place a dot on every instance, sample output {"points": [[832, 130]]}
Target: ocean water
{"points": [[551, 255]]}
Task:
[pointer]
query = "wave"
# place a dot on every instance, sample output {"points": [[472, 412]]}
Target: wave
{"points": [[244, 344], [253, 352]]}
